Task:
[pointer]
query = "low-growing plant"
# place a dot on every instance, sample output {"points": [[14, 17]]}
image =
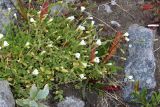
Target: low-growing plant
{"points": [[53, 50], [35, 97], [145, 101]]}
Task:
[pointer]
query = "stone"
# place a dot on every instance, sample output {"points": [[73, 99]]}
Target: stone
{"points": [[6, 97], [140, 2], [71, 102], [140, 64], [7, 11], [70, 1], [56, 10]]}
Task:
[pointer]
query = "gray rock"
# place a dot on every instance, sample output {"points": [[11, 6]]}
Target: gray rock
{"points": [[56, 10], [6, 97], [140, 65], [71, 102], [140, 1], [70, 1], [59, 10], [5, 16]]}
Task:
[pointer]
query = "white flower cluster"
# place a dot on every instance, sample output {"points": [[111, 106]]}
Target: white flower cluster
{"points": [[83, 43]]}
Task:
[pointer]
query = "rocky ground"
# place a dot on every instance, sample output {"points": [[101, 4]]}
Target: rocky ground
{"points": [[126, 13]]}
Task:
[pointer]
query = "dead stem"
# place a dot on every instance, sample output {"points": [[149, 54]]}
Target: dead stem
{"points": [[156, 49], [116, 97], [125, 11], [121, 9]]}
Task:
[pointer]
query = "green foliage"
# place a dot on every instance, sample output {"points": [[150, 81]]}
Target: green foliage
{"points": [[141, 98], [36, 95], [45, 52]]}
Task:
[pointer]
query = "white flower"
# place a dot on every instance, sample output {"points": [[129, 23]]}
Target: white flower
{"points": [[109, 64], [126, 34], [99, 42], [80, 27], [82, 42], [82, 8], [96, 60], [5, 43], [9, 9], [15, 15], [113, 2], [82, 76], [130, 45], [77, 55], [0, 47], [71, 18], [92, 23], [50, 20], [27, 44], [49, 45], [96, 52], [127, 39], [32, 20], [1, 36], [130, 77], [123, 58], [35, 72], [90, 18], [43, 52]]}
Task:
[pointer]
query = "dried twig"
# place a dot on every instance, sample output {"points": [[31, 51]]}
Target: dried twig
{"points": [[156, 49], [114, 47], [125, 11]]}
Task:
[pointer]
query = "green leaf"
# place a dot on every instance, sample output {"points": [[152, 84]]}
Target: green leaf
{"points": [[26, 101], [42, 94], [23, 102], [41, 105], [19, 102], [33, 91], [33, 104]]}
